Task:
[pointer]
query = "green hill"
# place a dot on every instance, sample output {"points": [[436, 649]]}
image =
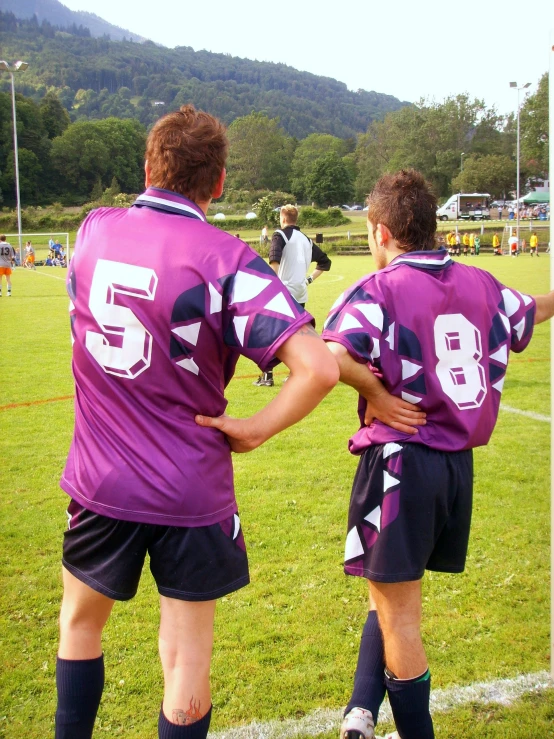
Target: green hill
{"points": [[97, 78]]}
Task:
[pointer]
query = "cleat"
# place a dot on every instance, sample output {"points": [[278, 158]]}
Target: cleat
{"points": [[357, 724], [263, 381]]}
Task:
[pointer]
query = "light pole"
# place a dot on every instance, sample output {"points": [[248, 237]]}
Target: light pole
{"points": [[523, 87], [11, 68], [462, 161]]}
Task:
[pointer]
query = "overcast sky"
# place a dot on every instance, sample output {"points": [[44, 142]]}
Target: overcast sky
{"points": [[406, 48]]}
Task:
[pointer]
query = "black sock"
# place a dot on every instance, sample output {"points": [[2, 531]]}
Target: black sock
{"points": [[197, 730], [409, 701], [369, 681], [80, 683]]}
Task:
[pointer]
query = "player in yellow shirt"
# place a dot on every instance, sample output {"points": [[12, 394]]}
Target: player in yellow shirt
{"points": [[534, 244], [472, 244], [496, 245]]}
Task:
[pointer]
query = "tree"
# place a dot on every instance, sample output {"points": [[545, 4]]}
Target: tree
{"points": [[533, 122], [330, 182], [493, 174], [308, 151], [259, 153], [429, 138], [55, 117], [30, 176]]}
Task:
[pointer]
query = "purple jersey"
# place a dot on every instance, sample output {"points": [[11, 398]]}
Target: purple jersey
{"points": [[439, 334], [162, 306]]}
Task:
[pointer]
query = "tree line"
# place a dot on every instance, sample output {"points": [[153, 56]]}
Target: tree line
{"points": [[458, 145], [98, 78]]}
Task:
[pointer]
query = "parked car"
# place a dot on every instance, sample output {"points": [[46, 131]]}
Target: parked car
{"points": [[356, 207]]}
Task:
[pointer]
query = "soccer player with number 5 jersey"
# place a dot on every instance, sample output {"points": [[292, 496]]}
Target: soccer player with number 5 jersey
{"points": [[426, 342], [158, 326]]}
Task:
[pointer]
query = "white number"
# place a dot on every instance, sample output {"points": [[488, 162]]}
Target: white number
{"points": [[134, 352], [458, 348]]}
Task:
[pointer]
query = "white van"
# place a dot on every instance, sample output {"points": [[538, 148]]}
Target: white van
{"points": [[472, 206]]}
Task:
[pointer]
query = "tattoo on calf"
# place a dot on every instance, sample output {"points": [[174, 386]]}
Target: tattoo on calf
{"points": [[183, 717]]}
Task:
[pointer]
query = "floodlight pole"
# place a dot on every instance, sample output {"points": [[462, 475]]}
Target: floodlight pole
{"points": [[16, 67]]}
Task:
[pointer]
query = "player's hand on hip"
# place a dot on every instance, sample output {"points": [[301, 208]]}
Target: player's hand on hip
{"points": [[238, 431], [394, 412]]}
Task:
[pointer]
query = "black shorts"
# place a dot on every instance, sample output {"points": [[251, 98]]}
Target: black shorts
{"points": [[410, 511], [195, 564]]}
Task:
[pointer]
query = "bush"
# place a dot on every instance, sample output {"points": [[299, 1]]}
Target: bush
{"points": [[317, 218]]}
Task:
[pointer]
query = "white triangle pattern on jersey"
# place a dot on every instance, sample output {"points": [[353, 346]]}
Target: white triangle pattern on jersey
{"points": [[410, 398], [374, 517], [373, 313], [501, 355], [375, 353], [353, 547], [349, 322], [240, 327], [236, 521], [188, 333], [391, 448], [247, 286], [216, 300], [511, 303], [71, 306], [519, 328], [390, 337], [506, 324], [279, 304], [389, 481], [527, 300], [500, 384], [409, 369], [189, 364]]}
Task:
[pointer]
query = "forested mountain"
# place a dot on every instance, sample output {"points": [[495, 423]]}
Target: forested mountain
{"points": [[96, 78], [59, 15]]}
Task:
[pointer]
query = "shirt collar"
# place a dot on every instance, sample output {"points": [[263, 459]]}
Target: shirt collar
{"points": [[429, 260], [169, 202]]}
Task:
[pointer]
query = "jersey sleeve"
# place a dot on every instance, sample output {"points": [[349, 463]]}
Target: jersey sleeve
{"points": [[261, 313], [356, 321], [519, 310], [323, 262], [276, 247]]}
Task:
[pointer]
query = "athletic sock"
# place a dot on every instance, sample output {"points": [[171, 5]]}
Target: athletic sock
{"points": [[80, 684], [197, 730], [409, 701], [369, 680]]}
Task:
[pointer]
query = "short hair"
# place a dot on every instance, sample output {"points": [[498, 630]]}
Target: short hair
{"points": [[290, 214], [405, 204], [2, 237], [186, 152]]}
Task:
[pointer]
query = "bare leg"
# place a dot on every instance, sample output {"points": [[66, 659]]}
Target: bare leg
{"points": [[399, 610], [185, 643]]}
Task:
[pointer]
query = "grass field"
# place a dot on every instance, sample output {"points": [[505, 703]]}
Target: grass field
{"points": [[286, 645]]}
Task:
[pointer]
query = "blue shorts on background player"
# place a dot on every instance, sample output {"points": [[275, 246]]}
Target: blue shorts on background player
{"points": [[439, 334]]}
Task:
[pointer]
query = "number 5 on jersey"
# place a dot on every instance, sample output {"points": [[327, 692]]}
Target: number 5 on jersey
{"points": [[134, 354]]}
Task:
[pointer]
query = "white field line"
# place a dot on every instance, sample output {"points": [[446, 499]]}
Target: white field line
{"points": [[45, 274], [323, 720], [529, 414]]}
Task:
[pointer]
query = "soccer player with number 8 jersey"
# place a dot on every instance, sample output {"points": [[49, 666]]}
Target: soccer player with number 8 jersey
{"points": [[425, 341], [158, 325]]}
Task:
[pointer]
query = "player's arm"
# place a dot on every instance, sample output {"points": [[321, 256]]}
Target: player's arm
{"points": [[276, 251], [313, 374], [393, 411], [545, 307], [323, 263]]}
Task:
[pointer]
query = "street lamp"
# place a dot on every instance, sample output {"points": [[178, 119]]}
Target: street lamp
{"points": [[462, 161], [523, 87], [11, 68]]}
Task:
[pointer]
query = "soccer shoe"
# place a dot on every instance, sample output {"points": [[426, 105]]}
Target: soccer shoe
{"points": [[357, 724], [262, 381]]}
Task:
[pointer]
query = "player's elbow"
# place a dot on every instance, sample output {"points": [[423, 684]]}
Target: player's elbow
{"points": [[324, 371]]}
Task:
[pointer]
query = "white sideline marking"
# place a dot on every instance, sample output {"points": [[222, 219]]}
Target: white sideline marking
{"points": [[324, 720], [334, 278], [45, 274], [529, 414]]}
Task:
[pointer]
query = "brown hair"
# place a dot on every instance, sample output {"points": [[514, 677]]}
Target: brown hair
{"points": [[290, 214], [404, 203], [186, 152]]}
